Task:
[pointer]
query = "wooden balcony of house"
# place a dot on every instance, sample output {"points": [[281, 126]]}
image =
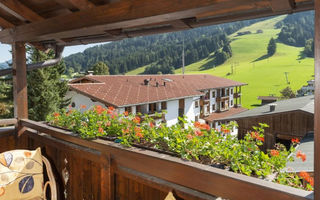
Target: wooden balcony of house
{"points": [[222, 98], [100, 169], [237, 95]]}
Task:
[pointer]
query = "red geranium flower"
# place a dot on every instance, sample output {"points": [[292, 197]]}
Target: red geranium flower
{"points": [[151, 125], [307, 177], [260, 138], [83, 106], [295, 140], [189, 136], [197, 124], [198, 133], [274, 152], [99, 109], [56, 114], [100, 130], [302, 156], [136, 120], [126, 113]]}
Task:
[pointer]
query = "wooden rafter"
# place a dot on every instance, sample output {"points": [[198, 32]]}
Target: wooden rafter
{"points": [[19, 10], [123, 14], [76, 4], [5, 24], [278, 5]]}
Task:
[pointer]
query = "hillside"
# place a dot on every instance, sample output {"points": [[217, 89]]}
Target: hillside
{"points": [[265, 76], [162, 50]]}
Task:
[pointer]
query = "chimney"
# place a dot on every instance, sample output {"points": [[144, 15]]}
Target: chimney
{"points": [[272, 107], [146, 82], [164, 84], [90, 73], [157, 84]]}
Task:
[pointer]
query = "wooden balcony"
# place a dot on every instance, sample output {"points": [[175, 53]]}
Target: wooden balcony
{"points": [[224, 98], [100, 169], [237, 95]]}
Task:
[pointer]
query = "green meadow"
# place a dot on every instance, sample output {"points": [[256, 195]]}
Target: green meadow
{"points": [[249, 64]]}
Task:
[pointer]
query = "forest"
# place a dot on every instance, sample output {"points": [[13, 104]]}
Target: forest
{"points": [[158, 50], [298, 30]]}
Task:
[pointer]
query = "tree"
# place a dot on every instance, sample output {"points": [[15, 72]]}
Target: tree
{"points": [[46, 89], [100, 68], [272, 46], [287, 93], [309, 48]]}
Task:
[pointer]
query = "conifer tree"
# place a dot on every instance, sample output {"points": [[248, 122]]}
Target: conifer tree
{"points": [[46, 89], [272, 46]]}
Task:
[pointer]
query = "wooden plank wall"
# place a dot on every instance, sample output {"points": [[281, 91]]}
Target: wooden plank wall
{"points": [[290, 125], [87, 170]]}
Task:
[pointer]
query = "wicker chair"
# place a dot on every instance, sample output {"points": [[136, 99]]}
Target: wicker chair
{"points": [[51, 182]]}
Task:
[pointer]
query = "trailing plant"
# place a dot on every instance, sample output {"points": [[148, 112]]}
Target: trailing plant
{"points": [[196, 142]]}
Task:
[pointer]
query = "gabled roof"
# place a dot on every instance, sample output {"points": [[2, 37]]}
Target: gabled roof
{"points": [[305, 104], [123, 90]]}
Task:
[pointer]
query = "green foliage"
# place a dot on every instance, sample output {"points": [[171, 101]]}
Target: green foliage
{"points": [[296, 29], [309, 48], [197, 143], [100, 68], [46, 90], [272, 47], [287, 93]]}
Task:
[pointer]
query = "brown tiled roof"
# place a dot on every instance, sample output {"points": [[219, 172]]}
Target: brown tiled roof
{"points": [[216, 116], [130, 90]]}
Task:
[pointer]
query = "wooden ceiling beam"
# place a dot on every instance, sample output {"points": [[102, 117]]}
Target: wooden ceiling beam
{"points": [[5, 24], [19, 10], [280, 5], [122, 14], [76, 4]]}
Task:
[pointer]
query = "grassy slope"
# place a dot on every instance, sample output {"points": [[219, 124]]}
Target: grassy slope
{"points": [[139, 70], [263, 77]]}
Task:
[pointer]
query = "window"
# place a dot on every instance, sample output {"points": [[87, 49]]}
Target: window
{"points": [[231, 90], [163, 105], [206, 96], [213, 107], [138, 109], [196, 118], [152, 107], [73, 104], [196, 104], [213, 94], [227, 91], [231, 103], [128, 109]]}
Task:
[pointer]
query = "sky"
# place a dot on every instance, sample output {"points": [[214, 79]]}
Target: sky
{"points": [[5, 54]]}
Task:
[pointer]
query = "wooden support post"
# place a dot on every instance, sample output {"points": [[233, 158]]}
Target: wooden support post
{"points": [[20, 95], [317, 100]]}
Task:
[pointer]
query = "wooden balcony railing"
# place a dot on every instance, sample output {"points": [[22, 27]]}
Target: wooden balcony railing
{"points": [[224, 98], [99, 169], [236, 95]]}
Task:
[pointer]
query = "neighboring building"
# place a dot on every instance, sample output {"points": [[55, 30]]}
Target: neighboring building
{"points": [[195, 96], [287, 119], [267, 99], [306, 89]]}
